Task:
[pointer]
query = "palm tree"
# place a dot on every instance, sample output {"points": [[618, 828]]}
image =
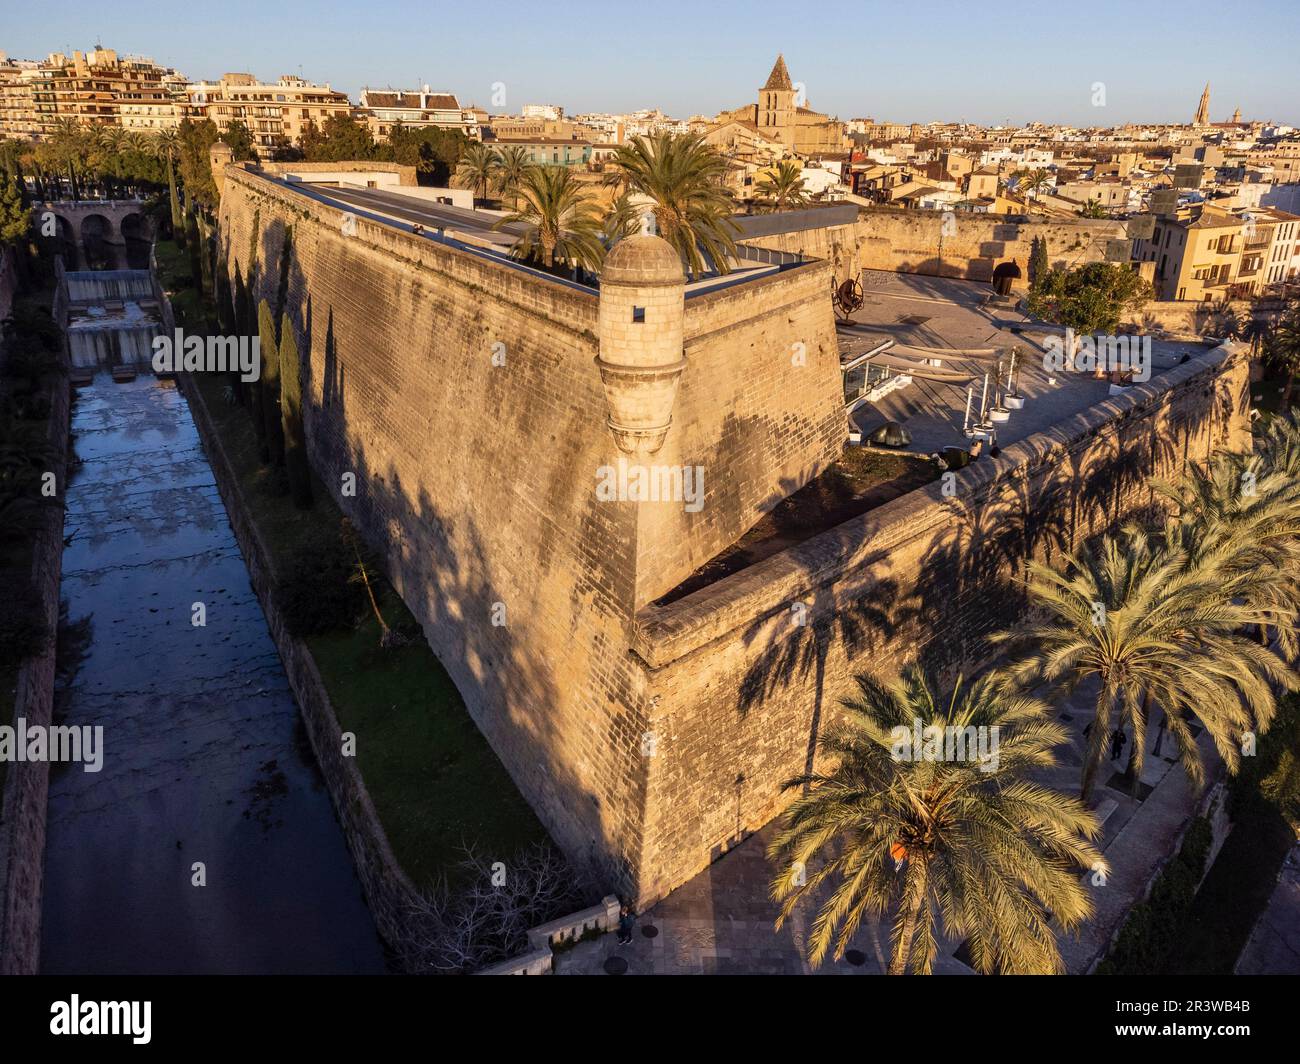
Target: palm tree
{"points": [[560, 218], [1243, 513], [783, 186], [167, 146], [1284, 346], [970, 844], [478, 169], [1151, 624], [112, 138], [683, 175], [1280, 444], [1030, 181], [512, 161], [623, 219]]}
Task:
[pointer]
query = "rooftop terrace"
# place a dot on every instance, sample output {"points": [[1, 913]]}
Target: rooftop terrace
{"points": [[914, 311], [474, 230]]}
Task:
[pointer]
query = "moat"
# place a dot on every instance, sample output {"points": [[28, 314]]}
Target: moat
{"points": [[206, 761]]}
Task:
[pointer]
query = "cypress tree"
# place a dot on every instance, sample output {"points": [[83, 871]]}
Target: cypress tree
{"points": [[269, 388], [195, 247], [282, 290], [1038, 266], [225, 312], [295, 443], [244, 327], [226, 323], [207, 282], [252, 246], [175, 201]]}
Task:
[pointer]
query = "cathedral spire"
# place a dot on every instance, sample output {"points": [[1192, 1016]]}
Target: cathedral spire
{"points": [[779, 79], [1203, 110]]}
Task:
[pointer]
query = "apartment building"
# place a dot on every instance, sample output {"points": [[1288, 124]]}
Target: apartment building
{"points": [[1271, 241], [511, 127], [151, 112], [1210, 255], [549, 111], [384, 109], [275, 114], [550, 151], [19, 115], [98, 88], [868, 130]]}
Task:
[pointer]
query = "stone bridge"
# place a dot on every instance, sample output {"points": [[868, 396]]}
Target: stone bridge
{"points": [[94, 229]]}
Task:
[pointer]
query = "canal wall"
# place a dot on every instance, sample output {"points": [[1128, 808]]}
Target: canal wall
{"points": [[22, 819], [8, 281]]}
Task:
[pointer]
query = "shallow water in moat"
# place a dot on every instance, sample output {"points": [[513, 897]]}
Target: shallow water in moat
{"points": [[205, 757]]}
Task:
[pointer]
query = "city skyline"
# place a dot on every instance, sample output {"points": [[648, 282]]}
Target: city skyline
{"points": [[608, 490], [928, 80]]}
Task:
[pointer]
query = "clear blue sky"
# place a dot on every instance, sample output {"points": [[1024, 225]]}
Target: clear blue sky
{"points": [[937, 60]]}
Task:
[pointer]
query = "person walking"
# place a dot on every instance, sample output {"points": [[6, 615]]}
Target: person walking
{"points": [[626, 921], [1116, 744]]}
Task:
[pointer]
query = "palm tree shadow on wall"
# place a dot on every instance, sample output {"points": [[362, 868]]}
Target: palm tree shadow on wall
{"points": [[854, 622], [440, 565], [967, 583]]}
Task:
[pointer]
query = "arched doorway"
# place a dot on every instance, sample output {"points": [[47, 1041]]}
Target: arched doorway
{"points": [[1003, 276]]}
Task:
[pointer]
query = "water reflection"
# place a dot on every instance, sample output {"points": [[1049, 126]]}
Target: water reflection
{"points": [[205, 758]]}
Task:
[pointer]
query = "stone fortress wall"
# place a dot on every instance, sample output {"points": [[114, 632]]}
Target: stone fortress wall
{"points": [[968, 246], [476, 482], [744, 674], [649, 739]]}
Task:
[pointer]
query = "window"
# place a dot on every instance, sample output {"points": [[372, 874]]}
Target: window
{"points": [[638, 315]]}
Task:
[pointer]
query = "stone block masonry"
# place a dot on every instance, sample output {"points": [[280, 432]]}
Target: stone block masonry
{"points": [[465, 396], [23, 803], [742, 683], [945, 244]]}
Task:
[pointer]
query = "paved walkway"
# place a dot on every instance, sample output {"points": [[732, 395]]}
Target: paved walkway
{"points": [[1274, 945], [721, 922]]}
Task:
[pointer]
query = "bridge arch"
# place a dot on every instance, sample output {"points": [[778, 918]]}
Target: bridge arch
{"points": [[97, 241], [137, 239]]}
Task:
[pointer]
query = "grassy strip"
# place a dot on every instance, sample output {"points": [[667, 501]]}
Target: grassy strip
{"points": [[434, 780], [1150, 933], [188, 305], [1263, 800], [1176, 933]]}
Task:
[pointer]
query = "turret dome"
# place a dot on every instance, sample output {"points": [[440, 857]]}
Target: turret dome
{"points": [[642, 260]]}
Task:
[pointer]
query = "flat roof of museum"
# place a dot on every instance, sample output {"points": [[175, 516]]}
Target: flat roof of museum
{"points": [[941, 312]]}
